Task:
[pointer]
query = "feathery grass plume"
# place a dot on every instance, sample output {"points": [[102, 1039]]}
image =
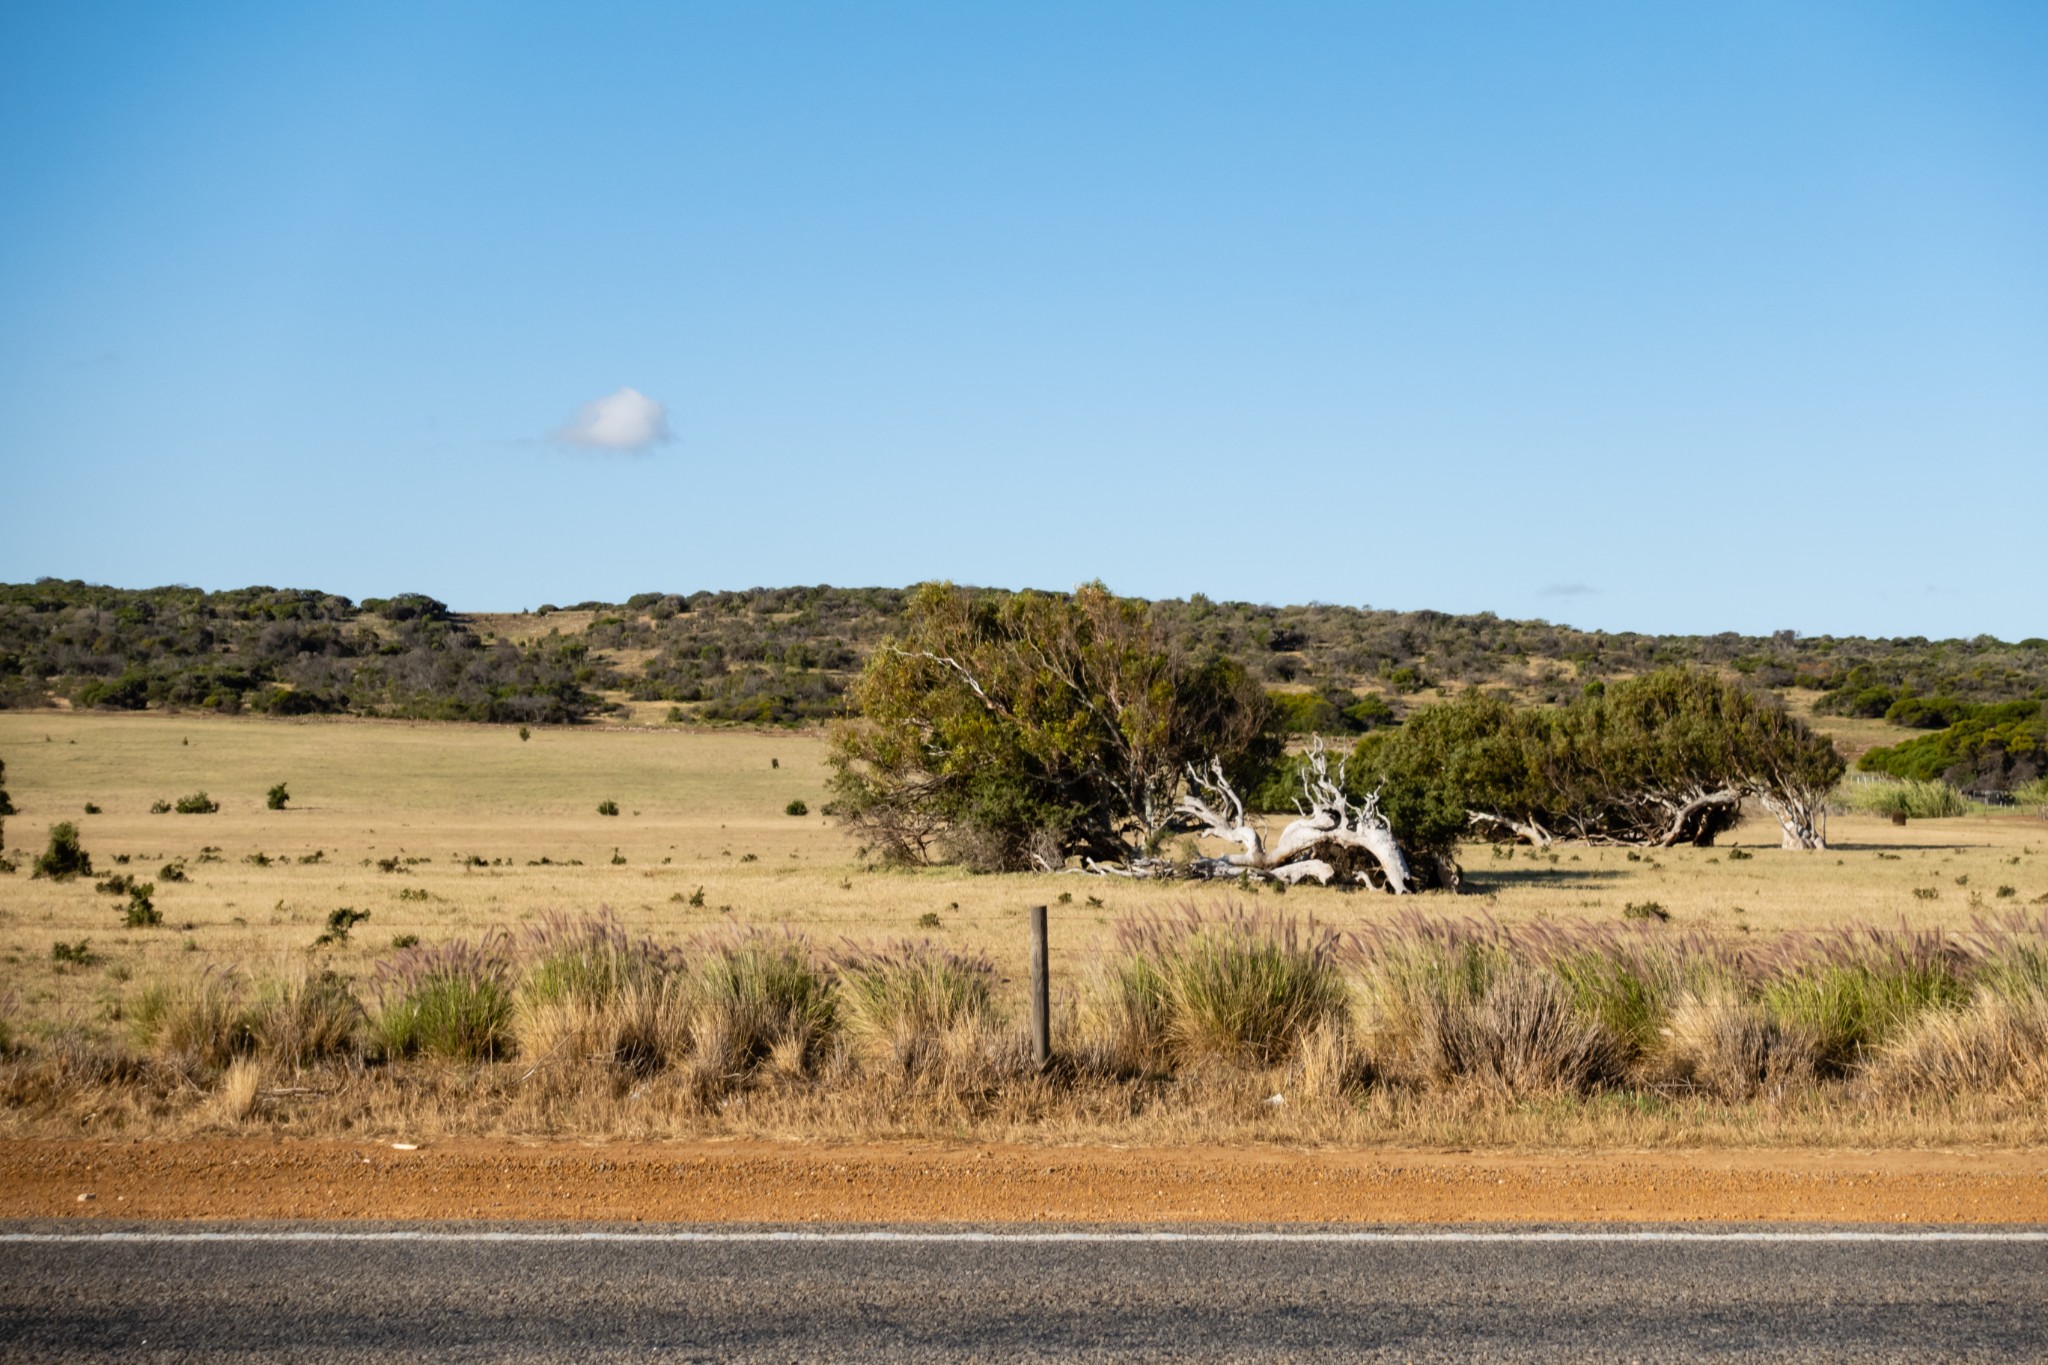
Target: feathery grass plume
{"points": [[453, 1000], [1850, 989], [1724, 1042], [1226, 983], [2010, 952], [308, 1017], [761, 996], [200, 1022], [913, 1003], [594, 993]]}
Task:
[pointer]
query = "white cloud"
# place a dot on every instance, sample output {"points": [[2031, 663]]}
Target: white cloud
{"points": [[625, 421]]}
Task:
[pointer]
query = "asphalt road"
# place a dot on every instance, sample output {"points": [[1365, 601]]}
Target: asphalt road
{"points": [[314, 1292]]}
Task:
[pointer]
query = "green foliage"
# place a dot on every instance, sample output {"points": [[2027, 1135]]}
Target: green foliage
{"points": [[277, 797], [759, 993], [79, 954], [198, 803], [64, 858], [1013, 731], [1657, 759], [607, 807], [1916, 800], [141, 912], [339, 923], [1996, 747], [453, 1001], [796, 807], [899, 1000], [1231, 984]]}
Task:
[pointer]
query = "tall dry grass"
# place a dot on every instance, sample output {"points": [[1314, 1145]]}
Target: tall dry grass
{"points": [[1217, 1019]]}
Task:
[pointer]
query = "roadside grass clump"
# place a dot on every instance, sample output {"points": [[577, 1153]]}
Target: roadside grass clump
{"points": [[64, 858], [761, 997], [454, 1000], [1469, 1003], [308, 1017], [919, 1009], [1226, 984], [1850, 990], [1723, 1041], [198, 803], [198, 1022], [594, 994]]}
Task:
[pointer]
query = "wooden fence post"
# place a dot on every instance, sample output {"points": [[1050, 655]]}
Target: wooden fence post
{"points": [[1041, 992]]}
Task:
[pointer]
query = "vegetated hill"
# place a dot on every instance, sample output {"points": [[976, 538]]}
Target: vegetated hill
{"points": [[786, 655]]}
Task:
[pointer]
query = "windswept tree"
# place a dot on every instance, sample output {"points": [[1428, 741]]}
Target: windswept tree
{"points": [[1012, 731], [1664, 759]]}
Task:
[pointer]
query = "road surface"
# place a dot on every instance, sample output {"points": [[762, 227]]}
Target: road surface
{"points": [[577, 1292]]}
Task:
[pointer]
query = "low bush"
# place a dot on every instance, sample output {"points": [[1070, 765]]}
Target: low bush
{"points": [[141, 912], [198, 803], [64, 858], [607, 807], [277, 798], [339, 923], [796, 808]]}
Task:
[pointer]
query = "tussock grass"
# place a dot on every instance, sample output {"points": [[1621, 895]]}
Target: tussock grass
{"points": [[761, 997], [454, 1000], [1913, 799]]}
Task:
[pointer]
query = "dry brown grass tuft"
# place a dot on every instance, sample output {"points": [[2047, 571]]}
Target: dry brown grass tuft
{"points": [[1998, 1043], [1733, 1048]]}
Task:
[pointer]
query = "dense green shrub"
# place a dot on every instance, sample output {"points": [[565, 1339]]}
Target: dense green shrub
{"points": [[1993, 747], [198, 803], [607, 807], [64, 858], [277, 797]]}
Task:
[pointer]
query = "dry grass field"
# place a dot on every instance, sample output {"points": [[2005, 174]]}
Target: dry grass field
{"points": [[444, 831]]}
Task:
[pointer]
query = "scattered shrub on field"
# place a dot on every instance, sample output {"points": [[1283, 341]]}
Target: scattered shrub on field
{"points": [[277, 797], [63, 859], [405, 940], [79, 954], [91, 809], [1926, 893], [607, 807], [159, 807], [697, 898], [257, 859], [524, 734], [210, 854], [796, 807], [115, 885], [2006, 892], [928, 920], [1645, 910], [761, 997], [392, 865], [676, 716], [142, 912], [453, 1001], [339, 923], [415, 893], [1737, 855], [198, 803], [318, 855], [173, 871]]}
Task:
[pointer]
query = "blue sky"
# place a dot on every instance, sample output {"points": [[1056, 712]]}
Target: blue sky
{"points": [[1662, 317]]}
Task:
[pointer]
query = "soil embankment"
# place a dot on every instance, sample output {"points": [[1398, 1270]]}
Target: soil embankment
{"points": [[758, 1182]]}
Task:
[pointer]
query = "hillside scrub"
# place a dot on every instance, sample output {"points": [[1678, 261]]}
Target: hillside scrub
{"points": [[1988, 748]]}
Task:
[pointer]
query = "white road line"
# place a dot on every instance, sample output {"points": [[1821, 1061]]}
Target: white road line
{"points": [[1821, 1235]]}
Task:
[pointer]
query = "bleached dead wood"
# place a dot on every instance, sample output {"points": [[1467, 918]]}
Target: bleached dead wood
{"points": [[1308, 848]]}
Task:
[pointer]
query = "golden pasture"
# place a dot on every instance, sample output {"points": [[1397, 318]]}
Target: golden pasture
{"points": [[705, 809]]}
